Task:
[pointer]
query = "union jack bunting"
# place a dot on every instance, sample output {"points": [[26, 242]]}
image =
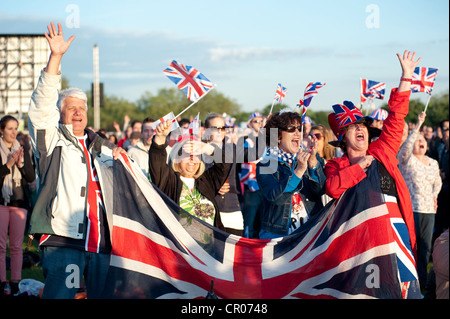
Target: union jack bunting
{"points": [[423, 79], [161, 251], [193, 83], [346, 114], [280, 93], [372, 89], [310, 92]]}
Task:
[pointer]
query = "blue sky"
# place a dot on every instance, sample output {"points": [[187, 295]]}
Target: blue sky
{"points": [[246, 47]]}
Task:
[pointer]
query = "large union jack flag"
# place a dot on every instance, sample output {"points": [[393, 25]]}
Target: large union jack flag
{"points": [[280, 93], [346, 113], [372, 89], [348, 250], [423, 79], [193, 83]]}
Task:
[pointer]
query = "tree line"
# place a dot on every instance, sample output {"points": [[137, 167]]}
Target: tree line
{"points": [[114, 108]]}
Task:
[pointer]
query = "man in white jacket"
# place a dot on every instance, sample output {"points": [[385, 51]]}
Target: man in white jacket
{"points": [[69, 213]]}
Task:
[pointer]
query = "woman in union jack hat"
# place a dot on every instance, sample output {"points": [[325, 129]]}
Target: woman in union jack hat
{"points": [[371, 167]]}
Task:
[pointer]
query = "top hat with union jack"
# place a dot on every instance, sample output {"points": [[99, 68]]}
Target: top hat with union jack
{"points": [[344, 115]]}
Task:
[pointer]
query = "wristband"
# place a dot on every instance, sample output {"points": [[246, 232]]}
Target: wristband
{"points": [[406, 80]]}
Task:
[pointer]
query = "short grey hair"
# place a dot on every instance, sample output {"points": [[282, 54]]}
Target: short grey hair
{"points": [[71, 92]]}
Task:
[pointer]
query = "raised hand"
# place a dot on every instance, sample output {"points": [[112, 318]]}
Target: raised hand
{"points": [[58, 46], [408, 65], [162, 131]]}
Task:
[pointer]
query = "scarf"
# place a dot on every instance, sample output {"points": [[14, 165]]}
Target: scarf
{"points": [[7, 189], [281, 155]]}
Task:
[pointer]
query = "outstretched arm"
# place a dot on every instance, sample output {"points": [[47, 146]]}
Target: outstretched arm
{"points": [[408, 65], [58, 46]]}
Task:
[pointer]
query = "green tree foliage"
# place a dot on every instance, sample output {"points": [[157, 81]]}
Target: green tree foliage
{"points": [[114, 110], [437, 111], [174, 100]]}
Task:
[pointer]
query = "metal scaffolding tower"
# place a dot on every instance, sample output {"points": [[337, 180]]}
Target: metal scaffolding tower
{"points": [[22, 57]]}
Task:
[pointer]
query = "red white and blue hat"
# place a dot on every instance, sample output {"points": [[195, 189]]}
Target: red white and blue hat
{"points": [[253, 115], [344, 115], [379, 114]]}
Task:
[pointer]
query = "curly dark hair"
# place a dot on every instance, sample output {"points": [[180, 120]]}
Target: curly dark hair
{"points": [[281, 121]]}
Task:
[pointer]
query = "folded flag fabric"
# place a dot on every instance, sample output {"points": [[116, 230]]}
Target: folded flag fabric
{"points": [[350, 249], [372, 89], [167, 117], [189, 80], [310, 92], [423, 79]]}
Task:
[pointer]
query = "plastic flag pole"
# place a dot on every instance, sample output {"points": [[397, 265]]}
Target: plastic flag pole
{"points": [[194, 102], [428, 101]]}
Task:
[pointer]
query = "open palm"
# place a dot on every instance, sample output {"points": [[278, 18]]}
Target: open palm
{"points": [[58, 46]]}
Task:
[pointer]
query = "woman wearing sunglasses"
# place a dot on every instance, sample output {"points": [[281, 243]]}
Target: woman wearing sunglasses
{"points": [[289, 177], [228, 197]]}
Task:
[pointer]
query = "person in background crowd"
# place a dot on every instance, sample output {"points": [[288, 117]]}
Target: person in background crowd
{"points": [[252, 149], [325, 151], [184, 178], [69, 213], [354, 137], [379, 116], [442, 214], [421, 174], [292, 191], [440, 265], [228, 197], [139, 152], [16, 171], [136, 126]]}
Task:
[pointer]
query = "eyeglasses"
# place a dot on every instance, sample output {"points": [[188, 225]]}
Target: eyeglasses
{"points": [[218, 128], [291, 129], [257, 121], [316, 135]]}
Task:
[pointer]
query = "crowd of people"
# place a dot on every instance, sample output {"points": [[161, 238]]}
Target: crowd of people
{"points": [[271, 176]]}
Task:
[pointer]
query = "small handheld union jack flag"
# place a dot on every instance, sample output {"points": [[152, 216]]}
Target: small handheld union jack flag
{"points": [[193, 83], [372, 89], [310, 92], [280, 94], [423, 79]]}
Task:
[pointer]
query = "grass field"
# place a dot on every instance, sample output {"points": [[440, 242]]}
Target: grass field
{"points": [[33, 272]]}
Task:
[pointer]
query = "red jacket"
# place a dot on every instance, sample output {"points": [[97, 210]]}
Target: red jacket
{"points": [[341, 175]]}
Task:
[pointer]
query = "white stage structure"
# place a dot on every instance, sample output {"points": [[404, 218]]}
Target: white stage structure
{"points": [[22, 57]]}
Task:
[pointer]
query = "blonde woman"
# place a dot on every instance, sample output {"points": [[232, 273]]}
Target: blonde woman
{"points": [[184, 178]]}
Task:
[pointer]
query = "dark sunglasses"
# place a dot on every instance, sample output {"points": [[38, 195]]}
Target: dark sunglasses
{"points": [[316, 135], [218, 128], [257, 121], [291, 129]]}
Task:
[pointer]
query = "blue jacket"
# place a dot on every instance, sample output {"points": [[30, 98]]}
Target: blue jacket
{"points": [[278, 183]]}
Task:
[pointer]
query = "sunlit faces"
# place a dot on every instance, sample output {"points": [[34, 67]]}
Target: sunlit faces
{"points": [[420, 145], [216, 130], [189, 165], [290, 142], [357, 137], [147, 133], [10, 132], [74, 112]]}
